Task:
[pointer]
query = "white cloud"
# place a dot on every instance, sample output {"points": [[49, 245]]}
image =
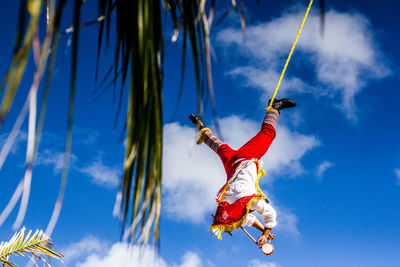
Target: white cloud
{"points": [[193, 174], [322, 168], [90, 251], [120, 254], [88, 244], [344, 60], [397, 171], [266, 78], [287, 221], [285, 153], [190, 259], [52, 158], [101, 174], [258, 263]]}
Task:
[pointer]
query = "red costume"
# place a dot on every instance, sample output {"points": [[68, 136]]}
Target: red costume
{"points": [[242, 167]]}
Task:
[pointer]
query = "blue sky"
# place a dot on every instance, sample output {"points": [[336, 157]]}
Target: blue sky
{"points": [[333, 172]]}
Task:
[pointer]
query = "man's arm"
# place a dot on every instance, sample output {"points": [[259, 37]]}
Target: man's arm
{"points": [[268, 212], [257, 224], [266, 233]]}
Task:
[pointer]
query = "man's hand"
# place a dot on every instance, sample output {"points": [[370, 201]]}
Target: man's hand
{"points": [[265, 237]]}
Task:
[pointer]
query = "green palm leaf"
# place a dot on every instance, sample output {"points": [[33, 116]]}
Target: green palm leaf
{"points": [[21, 54], [141, 45], [38, 245]]}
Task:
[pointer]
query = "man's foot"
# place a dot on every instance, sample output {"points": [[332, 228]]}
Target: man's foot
{"points": [[282, 103], [197, 121]]}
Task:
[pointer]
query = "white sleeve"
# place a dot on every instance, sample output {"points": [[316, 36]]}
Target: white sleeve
{"points": [[249, 220], [267, 211]]}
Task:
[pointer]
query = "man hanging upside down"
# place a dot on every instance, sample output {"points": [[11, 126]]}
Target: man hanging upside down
{"points": [[241, 194]]}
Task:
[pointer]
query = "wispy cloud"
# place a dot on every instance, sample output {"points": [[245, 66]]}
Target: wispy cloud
{"points": [[101, 174], [81, 137], [397, 171], [193, 174], [91, 251], [321, 168], [343, 62], [53, 159], [85, 136], [287, 221]]}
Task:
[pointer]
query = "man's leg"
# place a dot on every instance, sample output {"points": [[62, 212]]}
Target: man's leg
{"points": [[259, 144], [224, 151]]}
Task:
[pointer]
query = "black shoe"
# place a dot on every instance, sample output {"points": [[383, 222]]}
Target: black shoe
{"points": [[282, 103], [197, 121]]}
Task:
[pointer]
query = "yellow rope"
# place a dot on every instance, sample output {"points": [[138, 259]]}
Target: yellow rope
{"points": [[260, 172], [290, 55]]}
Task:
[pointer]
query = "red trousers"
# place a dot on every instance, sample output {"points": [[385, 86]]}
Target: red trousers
{"points": [[254, 148]]}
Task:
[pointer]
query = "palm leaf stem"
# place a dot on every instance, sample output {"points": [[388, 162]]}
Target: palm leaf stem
{"points": [[68, 143], [99, 19], [207, 44]]}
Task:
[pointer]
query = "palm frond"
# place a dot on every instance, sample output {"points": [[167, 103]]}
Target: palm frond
{"points": [[189, 13], [20, 56], [138, 56], [103, 7], [39, 244], [196, 26], [41, 54], [207, 48]]}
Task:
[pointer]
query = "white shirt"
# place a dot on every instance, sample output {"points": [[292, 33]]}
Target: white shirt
{"points": [[243, 183]]}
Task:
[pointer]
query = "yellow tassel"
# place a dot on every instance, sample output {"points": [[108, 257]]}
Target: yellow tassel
{"points": [[202, 131], [222, 194], [217, 232]]}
